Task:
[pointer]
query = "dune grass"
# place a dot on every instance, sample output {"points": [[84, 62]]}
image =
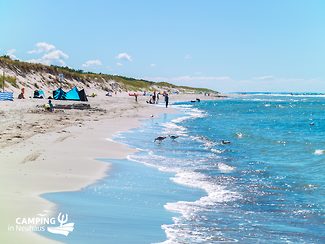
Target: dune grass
{"points": [[9, 80], [126, 83]]}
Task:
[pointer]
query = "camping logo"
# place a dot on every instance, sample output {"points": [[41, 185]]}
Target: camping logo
{"points": [[63, 228], [43, 222]]}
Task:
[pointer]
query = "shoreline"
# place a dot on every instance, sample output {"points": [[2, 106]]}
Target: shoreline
{"points": [[51, 162]]}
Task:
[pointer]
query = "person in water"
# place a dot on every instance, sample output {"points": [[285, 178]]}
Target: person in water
{"points": [[166, 99]]}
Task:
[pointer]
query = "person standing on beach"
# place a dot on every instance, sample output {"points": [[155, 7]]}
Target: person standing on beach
{"points": [[157, 98], [154, 97], [166, 99]]}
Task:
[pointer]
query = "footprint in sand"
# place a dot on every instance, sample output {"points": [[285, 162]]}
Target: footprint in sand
{"points": [[31, 157], [18, 136], [62, 138]]}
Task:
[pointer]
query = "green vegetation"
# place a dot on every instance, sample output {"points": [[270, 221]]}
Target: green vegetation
{"points": [[87, 78], [8, 80], [199, 90]]}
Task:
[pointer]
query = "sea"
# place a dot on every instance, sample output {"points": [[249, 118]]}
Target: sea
{"points": [[249, 168]]}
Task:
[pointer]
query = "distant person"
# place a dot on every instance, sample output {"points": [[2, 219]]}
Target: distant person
{"points": [[154, 97], [157, 98], [136, 97], [166, 99], [22, 94], [51, 107]]}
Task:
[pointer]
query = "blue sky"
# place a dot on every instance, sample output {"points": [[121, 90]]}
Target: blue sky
{"points": [[227, 45]]}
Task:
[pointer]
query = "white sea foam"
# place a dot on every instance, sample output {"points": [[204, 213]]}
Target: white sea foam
{"points": [[181, 119], [159, 162], [184, 106], [239, 135], [110, 140], [188, 210], [282, 142], [225, 168], [206, 141], [174, 129], [173, 126], [285, 95], [218, 151], [181, 233], [264, 100], [115, 141], [215, 193], [190, 112], [319, 152]]}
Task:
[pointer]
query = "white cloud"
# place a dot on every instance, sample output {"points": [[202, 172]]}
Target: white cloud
{"points": [[265, 77], [124, 56], [152, 65], [50, 54], [42, 47], [94, 62], [55, 55], [11, 52], [119, 64]]}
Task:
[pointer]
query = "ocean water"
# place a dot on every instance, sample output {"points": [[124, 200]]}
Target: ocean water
{"points": [[248, 169]]}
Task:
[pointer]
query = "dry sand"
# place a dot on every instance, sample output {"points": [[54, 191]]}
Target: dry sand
{"points": [[45, 152]]}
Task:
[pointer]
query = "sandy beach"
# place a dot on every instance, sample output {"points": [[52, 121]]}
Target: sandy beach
{"points": [[44, 152], [233, 152]]}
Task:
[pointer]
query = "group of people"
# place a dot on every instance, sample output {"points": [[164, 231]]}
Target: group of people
{"points": [[154, 99]]}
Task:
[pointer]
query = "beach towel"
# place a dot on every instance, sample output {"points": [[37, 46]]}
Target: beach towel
{"points": [[6, 96]]}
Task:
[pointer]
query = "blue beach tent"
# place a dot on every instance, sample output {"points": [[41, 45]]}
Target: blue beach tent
{"points": [[59, 94], [39, 94], [74, 94]]}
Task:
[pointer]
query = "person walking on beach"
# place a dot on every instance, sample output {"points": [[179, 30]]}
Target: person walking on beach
{"points": [[166, 99], [136, 97]]}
